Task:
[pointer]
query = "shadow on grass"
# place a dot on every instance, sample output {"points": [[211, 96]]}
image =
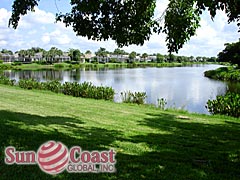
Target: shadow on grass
{"points": [[178, 149], [191, 150], [27, 132]]}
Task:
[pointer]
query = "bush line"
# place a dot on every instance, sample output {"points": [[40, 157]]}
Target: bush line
{"points": [[84, 90]]}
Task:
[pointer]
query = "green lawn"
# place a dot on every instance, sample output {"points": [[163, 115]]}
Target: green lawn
{"points": [[150, 143]]}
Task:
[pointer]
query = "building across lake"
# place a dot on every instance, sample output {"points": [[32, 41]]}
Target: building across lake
{"points": [[9, 58]]}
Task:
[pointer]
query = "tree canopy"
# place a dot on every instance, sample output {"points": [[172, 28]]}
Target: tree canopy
{"points": [[231, 53], [132, 55], [75, 54], [101, 52], [132, 21]]}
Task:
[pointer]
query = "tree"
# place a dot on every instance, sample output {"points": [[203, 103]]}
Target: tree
{"points": [[231, 53], [212, 59], [52, 54], [22, 54], [88, 52], [199, 59], [75, 54], [171, 58], [132, 55], [160, 58], [191, 58], [118, 52], [101, 53], [132, 21], [88, 55], [37, 49], [144, 56], [6, 51], [26, 55]]}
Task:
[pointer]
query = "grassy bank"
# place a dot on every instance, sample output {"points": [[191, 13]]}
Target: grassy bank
{"points": [[150, 143], [224, 73], [35, 66]]}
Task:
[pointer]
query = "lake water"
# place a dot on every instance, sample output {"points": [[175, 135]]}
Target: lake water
{"points": [[182, 87]]}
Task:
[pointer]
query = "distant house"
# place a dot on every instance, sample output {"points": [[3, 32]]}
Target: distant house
{"points": [[90, 57], [7, 58], [62, 58], [152, 59], [38, 56], [16, 57], [119, 58]]}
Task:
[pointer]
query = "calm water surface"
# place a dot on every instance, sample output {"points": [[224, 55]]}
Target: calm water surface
{"points": [[182, 87]]}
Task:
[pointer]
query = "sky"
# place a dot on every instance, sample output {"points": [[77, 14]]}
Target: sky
{"points": [[38, 29]]}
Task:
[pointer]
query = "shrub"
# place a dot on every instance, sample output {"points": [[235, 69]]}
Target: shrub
{"points": [[29, 84], [1, 61], [54, 86], [224, 73], [228, 104], [7, 81], [74, 62], [44, 62], [84, 90], [17, 63], [113, 60], [59, 65], [87, 90], [136, 97], [5, 66]]}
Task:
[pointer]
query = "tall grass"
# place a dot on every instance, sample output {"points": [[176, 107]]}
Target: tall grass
{"points": [[136, 97]]}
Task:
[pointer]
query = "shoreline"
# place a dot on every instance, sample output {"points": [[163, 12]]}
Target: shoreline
{"points": [[67, 66], [229, 73]]}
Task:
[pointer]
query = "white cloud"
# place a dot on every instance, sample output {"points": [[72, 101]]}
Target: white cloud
{"points": [[211, 36], [5, 15], [3, 43], [45, 38], [37, 18]]}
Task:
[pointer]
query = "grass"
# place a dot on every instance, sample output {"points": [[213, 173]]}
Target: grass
{"points": [[35, 66], [150, 143]]}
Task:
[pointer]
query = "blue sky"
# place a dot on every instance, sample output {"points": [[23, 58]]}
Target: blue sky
{"points": [[39, 29]]}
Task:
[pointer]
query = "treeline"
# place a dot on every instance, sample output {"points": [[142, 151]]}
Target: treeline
{"points": [[55, 55]]}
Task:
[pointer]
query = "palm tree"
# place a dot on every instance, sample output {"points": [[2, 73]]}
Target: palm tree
{"points": [[119, 52], [101, 53], [88, 52], [132, 55], [22, 54], [144, 56], [53, 53]]}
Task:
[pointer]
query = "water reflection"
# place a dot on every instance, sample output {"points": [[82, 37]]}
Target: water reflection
{"points": [[180, 86]]}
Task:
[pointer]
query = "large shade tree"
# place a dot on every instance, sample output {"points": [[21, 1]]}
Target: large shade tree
{"points": [[132, 21]]}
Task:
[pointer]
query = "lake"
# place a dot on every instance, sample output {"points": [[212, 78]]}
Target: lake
{"points": [[182, 87]]}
